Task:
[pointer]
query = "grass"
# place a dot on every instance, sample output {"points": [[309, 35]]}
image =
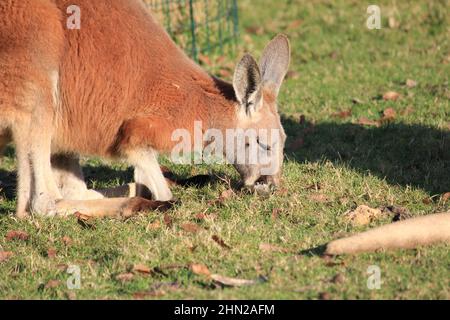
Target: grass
{"points": [[338, 64]]}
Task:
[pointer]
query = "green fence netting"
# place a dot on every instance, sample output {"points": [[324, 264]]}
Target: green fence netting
{"points": [[199, 26]]}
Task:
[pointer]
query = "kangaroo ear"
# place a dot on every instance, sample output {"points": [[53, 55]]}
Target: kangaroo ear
{"points": [[247, 84], [275, 62]]}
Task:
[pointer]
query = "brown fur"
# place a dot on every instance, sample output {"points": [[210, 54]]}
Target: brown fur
{"points": [[116, 88]]}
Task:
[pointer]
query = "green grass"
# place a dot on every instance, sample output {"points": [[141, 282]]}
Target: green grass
{"points": [[336, 60]]}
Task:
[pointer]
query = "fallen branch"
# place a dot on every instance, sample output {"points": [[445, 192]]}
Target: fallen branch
{"points": [[407, 234]]}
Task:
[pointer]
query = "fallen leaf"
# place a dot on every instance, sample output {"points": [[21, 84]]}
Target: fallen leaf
{"points": [[205, 60], [62, 267], [389, 113], [142, 269], [393, 23], [233, 282], [157, 290], [70, 295], [220, 242], [366, 122], [257, 30], [343, 114], [200, 270], [225, 73], [363, 215], [338, 279], [276, 213], [17, 235], [411, 83], [445, 197], [226, 195], [324, 296], [168, 221], [5, 255], [153, 226], [190, 227], [125, 277], [67, 241], [52, 284], [200, 216], [51, 253], [391, 96], [427, 200]]}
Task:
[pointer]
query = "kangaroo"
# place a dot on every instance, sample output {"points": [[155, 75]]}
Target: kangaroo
{"points": [[117, 88]]}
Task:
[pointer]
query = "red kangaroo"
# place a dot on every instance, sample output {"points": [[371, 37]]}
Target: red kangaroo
{"points": [[117, 87]]}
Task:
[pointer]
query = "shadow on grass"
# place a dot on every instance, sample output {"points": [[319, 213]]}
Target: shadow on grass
{"points": [[407, 155]]}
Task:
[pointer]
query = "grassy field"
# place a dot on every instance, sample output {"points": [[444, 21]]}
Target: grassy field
{"points": [[339, 156]]}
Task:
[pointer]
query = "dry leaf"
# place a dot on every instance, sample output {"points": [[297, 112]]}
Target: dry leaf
{"points": [[62, 267], [338, 279], [366, 122], [391, 96], [200, 216], [125, 277], [220, 242], [411, 83], [389, 113], [168, 221], [445, 197], [324, 296], [143, 269], [393, 23], [257, 30], [363, 215], [17, 235], [5, 255], [70, 295], [52, 284], [190, 227], [67, 241], [343, 114], [225, 73], [233, 282], [226, 195], [276, 213], [51, 253], [200, 270], [153, 226], [205, 60]]}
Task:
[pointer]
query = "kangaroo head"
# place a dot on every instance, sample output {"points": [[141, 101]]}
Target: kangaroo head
{"points": [[256, 88]]}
